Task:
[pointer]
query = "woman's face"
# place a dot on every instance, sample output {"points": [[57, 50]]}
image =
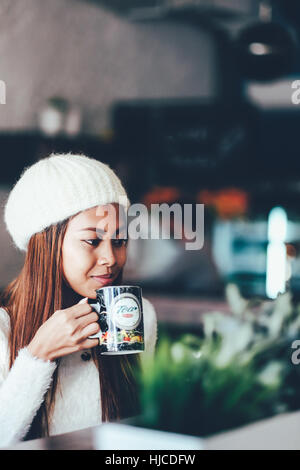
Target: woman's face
{"points": [[94, 246]]}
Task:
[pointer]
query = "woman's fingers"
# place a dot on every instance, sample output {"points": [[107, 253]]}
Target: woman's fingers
{"points": [[84, 344], [88, 330], [89, 343], [85, 320], [65, 332], [80, 310]]}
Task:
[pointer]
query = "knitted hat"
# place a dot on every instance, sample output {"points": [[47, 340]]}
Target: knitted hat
{"points": [[55, 188]]}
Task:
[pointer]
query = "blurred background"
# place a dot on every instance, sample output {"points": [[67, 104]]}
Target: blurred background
{"points": [[190, 101]]}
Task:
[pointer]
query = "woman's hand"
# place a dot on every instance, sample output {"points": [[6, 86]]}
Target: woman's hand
{"points": [[65, 332]]}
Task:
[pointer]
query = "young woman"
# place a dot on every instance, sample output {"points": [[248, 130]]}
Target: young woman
{"points": [[52, 378]]}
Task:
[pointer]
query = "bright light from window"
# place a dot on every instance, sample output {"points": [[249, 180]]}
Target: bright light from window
{"points": [[276, 252], [259, 48]]}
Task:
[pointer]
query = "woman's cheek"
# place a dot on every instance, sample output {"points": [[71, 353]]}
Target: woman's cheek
{"points": [[122, 257], [80, 263]]}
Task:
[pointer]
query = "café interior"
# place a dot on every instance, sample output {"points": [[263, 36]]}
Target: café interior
{"points": [[193, 103]]}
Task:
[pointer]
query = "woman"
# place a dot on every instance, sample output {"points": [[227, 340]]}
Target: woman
{"points": [[50, 371]]}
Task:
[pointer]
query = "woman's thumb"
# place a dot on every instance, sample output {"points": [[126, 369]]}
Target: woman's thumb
{"points": [[82, 301]]}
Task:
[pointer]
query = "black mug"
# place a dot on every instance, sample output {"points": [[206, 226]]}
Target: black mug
{"points": [[120, 311]]}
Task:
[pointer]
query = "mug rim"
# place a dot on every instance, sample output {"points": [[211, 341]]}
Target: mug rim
{"points": [[111, 287]]}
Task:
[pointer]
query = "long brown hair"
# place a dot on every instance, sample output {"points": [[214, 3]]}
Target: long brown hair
{"points": [[31, 298]]}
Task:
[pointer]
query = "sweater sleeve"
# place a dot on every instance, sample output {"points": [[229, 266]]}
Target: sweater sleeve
{"points": [[22, 388], [150, 326]]}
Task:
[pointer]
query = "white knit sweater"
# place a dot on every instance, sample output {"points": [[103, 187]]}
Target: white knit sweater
{"points": [[77, 400]]}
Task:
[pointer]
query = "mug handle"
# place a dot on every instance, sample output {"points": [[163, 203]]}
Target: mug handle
{"points": [[102, 318]]}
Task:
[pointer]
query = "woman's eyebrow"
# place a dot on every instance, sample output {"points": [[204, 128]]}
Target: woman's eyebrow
{"points": [[93, 229], [99, 230]]}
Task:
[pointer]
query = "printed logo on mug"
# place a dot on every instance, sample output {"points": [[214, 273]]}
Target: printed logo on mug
{"points": [[126, 311], [120, 311]]}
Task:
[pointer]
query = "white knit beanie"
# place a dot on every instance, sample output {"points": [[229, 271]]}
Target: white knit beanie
{"points": [[56, 188]]}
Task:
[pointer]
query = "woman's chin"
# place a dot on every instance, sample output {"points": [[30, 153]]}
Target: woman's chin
{"points": [[90, 294]]}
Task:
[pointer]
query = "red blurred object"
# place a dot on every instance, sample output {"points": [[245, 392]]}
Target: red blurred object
{"points": [[228, 203], [160, 194]]}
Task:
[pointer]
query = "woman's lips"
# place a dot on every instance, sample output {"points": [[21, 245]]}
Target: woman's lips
{"points": [[104, 280]]}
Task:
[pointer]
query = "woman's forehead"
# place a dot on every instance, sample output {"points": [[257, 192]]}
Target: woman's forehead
{"points": [[105, 217]]}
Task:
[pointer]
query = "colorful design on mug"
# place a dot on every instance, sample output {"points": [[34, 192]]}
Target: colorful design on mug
{"points": [[121, 320], [122, 336]]}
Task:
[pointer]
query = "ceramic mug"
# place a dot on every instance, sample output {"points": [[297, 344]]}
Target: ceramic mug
{"points": [[120, 311]]}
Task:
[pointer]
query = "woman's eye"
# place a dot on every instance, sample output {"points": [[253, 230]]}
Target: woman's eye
{"points": [[93, 241], [120, 242]]}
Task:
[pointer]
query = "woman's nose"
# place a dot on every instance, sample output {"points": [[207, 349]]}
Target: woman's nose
{"points": [[106, 254]]}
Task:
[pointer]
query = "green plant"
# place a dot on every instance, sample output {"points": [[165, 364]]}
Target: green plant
{"points": [[237, 371]]}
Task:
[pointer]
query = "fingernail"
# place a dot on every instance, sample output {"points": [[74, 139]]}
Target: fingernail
{"points": [[82, 301]]}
